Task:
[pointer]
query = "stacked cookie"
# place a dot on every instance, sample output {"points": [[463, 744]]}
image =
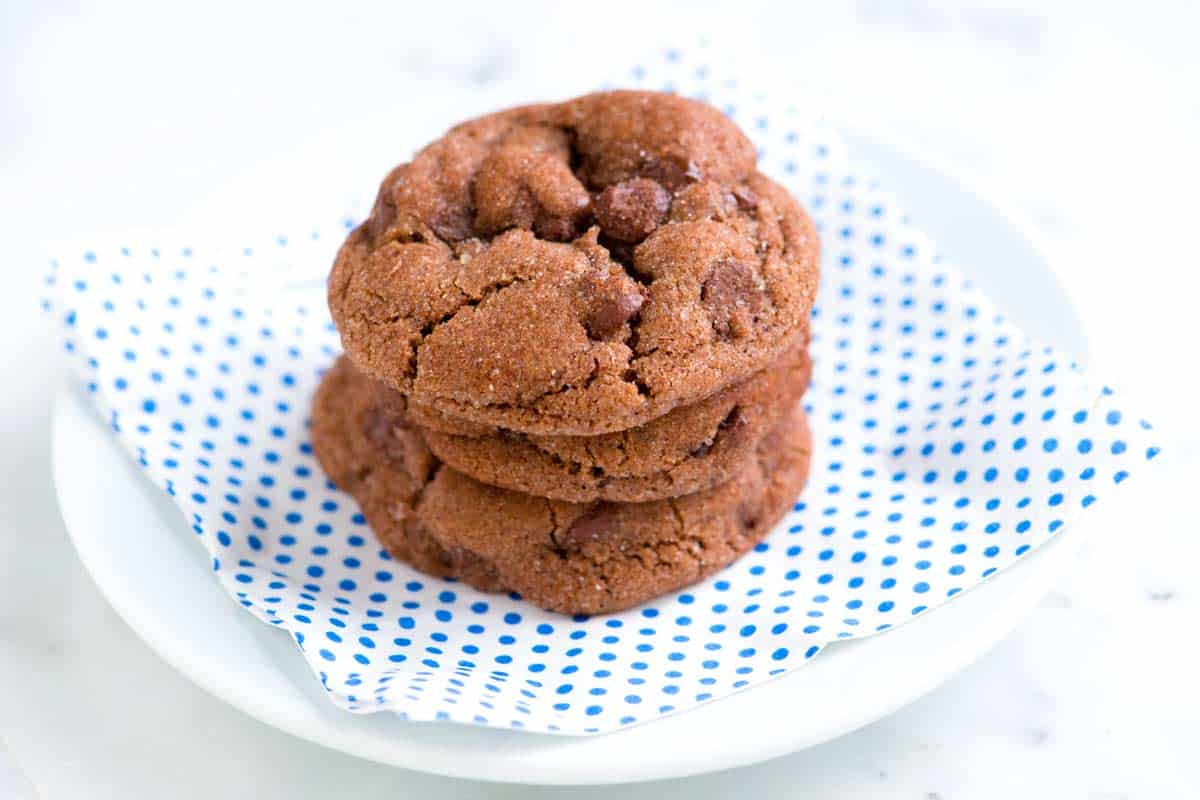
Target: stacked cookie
{"points": [[576, 341]]}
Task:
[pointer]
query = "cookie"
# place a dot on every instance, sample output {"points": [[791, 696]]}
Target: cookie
{"points": [[689, 449], [576, 268], [574, 558]]}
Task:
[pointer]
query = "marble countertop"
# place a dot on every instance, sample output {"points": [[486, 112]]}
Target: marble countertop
{"points": [[1084, 117]]}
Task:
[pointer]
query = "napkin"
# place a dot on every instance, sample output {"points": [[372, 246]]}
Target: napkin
{"points": [[948, 446]]}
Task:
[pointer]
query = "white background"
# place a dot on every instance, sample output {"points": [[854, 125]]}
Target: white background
{"points": [[1083, 116]]}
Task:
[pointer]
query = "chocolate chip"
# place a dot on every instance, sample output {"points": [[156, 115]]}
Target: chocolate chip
{"points": [[461, 559], [611, 302], [379, 427], [594, 525], [672, 173], [389, 401], [747, 200], [555, 229], [748, 514], [452, 224], [733, 294], [383, 214], [403, 446], [607, 315], [629, 211]]}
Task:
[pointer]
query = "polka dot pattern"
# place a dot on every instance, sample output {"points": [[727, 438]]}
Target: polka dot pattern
{"points": [[948, 446]]}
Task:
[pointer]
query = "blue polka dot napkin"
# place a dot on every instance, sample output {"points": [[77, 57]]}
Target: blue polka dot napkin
{"points": [[948, 447]]}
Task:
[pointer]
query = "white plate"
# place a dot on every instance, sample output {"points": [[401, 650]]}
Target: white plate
{"points": [[141, 554]]}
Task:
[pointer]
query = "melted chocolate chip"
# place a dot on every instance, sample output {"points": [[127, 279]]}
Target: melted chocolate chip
{"points": [[733, 295], [608, 314], [555, 229], [389, 401], [452, 225], [461, 558], [746, 199], [388, 430], [383, 214], [629, 211], [611, 302], [748, 515], [593, 526], [672, 173], [379, 427]]}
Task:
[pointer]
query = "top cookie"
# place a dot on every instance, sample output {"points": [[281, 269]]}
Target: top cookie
{"points": [[576, 268]]}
